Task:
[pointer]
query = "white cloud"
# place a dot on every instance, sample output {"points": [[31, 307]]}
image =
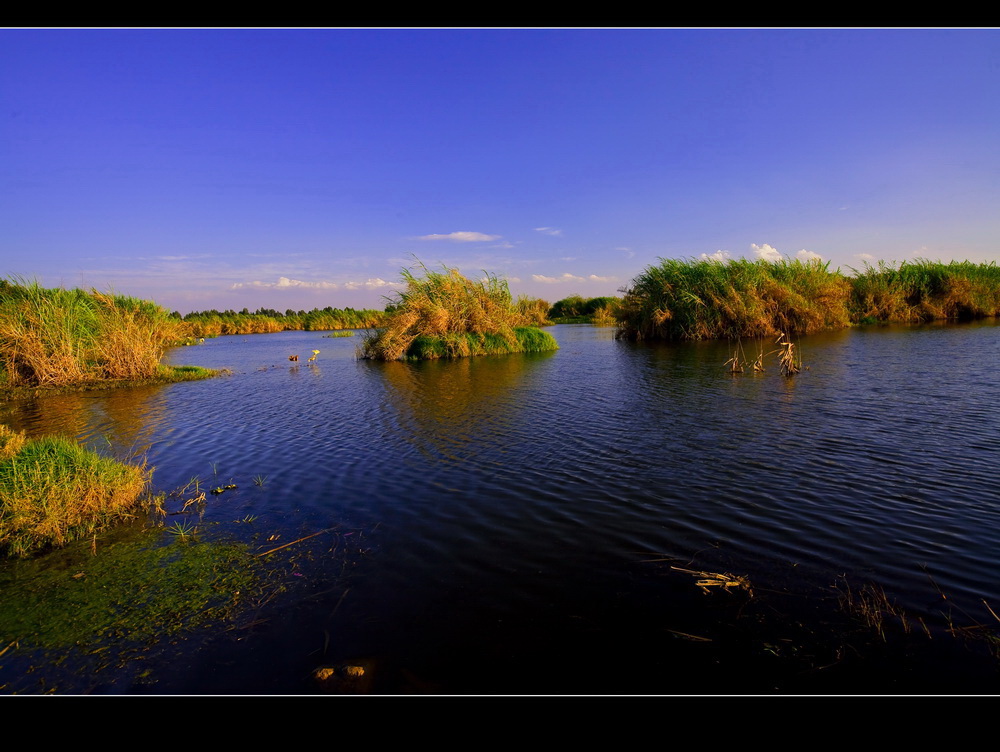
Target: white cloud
{"points": [[766, 252], [720, 256], [548, 230], [865, 257], [595, 278], [629, 253], [461, 237], [809, 255]]}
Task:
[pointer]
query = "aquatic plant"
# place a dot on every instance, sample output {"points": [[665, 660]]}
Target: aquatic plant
{"points": [[135, 589], [53, 491], [182, 529], [446, 315]]}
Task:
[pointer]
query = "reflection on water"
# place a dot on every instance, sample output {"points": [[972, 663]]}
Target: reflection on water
{"points": [[519, 500]]}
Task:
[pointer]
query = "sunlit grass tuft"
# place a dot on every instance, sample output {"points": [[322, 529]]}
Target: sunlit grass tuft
{"points": [[446, 315], [53, 491]]}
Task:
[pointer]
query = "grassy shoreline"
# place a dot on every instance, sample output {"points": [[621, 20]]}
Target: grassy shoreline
{"points": [[704, 299], [165, 375]]}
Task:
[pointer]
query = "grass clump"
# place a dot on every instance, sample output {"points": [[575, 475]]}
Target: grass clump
{"points": [[58, 337], [706, 299], [446, 315], [53, 491]]}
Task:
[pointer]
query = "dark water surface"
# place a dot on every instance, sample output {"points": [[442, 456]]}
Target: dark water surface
{"points": [[518, 516]]}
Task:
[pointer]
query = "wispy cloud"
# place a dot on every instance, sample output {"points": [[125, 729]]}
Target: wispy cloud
{"points": [[462, 237], [766, 252], [866, 257], [629, 253], [548, 230], [720, 256], [567, 277], [286, 283]]}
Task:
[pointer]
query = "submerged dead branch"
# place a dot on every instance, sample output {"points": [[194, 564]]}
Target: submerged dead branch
{"points": [[723, 580]]}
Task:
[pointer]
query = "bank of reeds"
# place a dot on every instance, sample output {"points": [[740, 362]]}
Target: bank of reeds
{"points": [[59, 337], [921, 290], [447, 315], [53, 491], [701, 299]]}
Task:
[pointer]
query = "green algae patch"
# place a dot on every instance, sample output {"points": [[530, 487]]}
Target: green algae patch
{"points": [[135, 589]]}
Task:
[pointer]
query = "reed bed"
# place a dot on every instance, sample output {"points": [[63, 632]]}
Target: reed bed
{"points": [[58, 337], [699, 299], [447, 315], [53, 491], [702, 299], [922, 290]]}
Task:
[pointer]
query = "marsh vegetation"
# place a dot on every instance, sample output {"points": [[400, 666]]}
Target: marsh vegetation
{"points": [[695, 299]]}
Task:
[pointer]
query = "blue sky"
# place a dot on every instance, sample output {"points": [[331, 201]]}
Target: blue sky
{"points": [[304, 168]]}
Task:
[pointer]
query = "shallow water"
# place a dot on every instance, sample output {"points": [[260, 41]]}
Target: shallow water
{"points": [[520, 514]]}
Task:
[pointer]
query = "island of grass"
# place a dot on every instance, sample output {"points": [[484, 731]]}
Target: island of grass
{"points": [[446, 315], [77, 339]]}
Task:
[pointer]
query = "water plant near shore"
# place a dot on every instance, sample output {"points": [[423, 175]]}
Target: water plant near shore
{"points": [[53, 491], [446, 315], [58, 337]]}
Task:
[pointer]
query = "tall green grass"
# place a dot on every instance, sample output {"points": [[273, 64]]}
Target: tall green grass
{"points": [[701, 299], [57, 337], [53, 491], [447, 315], [922, 290]]}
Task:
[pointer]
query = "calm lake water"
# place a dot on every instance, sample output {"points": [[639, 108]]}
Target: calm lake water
{"points": [[511, 524]]}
